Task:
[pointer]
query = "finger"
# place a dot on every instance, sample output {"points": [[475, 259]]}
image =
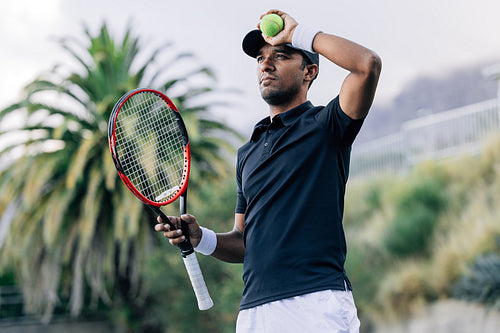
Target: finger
{"points": [[173, 221], [162, 227], [171, 234], [272, 11], [188, 218], [177, 240], [276, 11]]}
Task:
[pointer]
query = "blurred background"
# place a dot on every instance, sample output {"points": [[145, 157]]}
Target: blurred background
{"points": [[78, 252]]}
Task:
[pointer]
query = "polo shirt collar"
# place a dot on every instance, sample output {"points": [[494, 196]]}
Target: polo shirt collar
{"points": [[286, 118]]}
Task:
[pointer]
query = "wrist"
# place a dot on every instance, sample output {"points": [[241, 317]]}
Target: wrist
{"points": [[208, 242], [303, 37]]}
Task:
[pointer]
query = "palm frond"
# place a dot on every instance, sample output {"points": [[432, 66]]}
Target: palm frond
{"points": [[90, 206], [86, 233], [79, 160]]}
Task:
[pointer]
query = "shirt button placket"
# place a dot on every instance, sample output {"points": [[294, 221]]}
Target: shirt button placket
{"points": [[266, 144]]}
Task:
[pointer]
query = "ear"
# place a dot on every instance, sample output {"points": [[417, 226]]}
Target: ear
{"points": [[311, 71]]}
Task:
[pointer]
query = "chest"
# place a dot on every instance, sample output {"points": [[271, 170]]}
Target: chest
{"points": [[281, 154]]}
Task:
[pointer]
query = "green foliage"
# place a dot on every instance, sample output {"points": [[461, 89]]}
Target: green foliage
{"points": [[363, 264], [368, 199], [215, 202], [460, 197], [77, 238], [172, 304], [481, 283], [417, 213], [10, 305]]}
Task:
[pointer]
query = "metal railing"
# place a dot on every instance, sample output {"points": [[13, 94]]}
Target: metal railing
{"points": [[436, 136], [11, 303]]}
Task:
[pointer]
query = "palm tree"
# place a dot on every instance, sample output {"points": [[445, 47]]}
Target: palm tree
{"points": [[71, 230]]}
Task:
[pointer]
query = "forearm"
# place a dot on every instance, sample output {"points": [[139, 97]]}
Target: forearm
{"points": [[230, 247], [347, 54], [364, 66]]}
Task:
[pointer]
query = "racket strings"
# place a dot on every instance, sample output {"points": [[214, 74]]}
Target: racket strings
{"points": [[150, 146]]}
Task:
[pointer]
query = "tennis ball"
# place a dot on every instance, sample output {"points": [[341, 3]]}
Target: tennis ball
{"points": [[271, 24]]}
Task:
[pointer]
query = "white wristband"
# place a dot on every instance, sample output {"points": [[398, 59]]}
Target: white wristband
{"points": [[208, 242], [303, 37]]}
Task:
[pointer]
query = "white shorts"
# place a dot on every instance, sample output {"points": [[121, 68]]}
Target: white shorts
{"points": [[331, 311]]}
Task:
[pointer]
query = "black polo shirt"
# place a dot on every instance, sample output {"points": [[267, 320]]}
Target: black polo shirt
{"points": [[291, 179]]}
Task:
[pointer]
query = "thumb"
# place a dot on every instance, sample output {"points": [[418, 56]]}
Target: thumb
{"points": [[193, 227], [189, 219]]}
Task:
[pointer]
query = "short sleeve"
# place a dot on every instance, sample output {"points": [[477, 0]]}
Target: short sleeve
{"points": [[241, 203], [343, 128]]}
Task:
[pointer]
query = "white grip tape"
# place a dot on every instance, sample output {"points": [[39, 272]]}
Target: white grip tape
{"points": [[199, 286]]}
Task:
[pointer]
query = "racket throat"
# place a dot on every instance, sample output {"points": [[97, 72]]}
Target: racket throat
{"points": [[167, 194]]}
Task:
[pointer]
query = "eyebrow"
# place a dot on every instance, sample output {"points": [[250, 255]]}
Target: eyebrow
{"points": [[278, 49]]}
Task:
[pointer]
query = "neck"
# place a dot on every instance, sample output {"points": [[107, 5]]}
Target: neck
{"points": [[283, 107]]}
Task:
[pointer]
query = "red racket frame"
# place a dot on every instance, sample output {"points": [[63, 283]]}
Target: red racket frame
{"points": [[116, 160]]}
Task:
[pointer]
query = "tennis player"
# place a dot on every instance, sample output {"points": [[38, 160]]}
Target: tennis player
{"points": [[291, 178]]}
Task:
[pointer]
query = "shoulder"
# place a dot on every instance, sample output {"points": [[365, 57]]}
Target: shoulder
{"points": [[338, 122]]}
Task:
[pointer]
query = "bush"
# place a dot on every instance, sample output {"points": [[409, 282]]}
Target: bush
{"points": [[418, 237], [417, 212], [405, 289], [482, 283]]}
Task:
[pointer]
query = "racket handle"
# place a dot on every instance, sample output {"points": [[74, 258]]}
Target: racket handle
{"points": [[199, 286], [186, 246]]}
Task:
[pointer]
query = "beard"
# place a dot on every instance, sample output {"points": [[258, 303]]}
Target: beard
{"points": [[279, 96]]}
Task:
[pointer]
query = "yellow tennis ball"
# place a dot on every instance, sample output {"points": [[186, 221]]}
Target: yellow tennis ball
{"points": [[271, 24]]}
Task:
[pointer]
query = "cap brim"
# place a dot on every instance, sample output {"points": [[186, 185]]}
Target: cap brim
{"points": [[253, 42]]}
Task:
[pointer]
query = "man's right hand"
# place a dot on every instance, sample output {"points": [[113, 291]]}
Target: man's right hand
{"points": [[175, 236]]}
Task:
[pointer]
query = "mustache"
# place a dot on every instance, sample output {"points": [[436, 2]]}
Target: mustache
{"points": [[265, 76]]}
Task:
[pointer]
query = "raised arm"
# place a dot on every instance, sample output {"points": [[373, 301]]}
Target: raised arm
{"points": [[364, 66], [358, 89]]}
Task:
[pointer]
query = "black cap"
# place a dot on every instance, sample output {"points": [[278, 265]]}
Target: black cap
{"points": [[253, 42]]}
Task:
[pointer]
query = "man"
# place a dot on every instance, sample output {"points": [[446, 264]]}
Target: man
{"points": [[291, 179]]}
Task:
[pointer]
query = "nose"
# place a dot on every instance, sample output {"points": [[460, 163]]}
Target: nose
{"points": [[267, 65]]}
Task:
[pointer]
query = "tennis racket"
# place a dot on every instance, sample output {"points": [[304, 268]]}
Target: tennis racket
{"points": [[151, 152]]}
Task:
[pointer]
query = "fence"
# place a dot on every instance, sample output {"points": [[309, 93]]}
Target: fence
{"points": [[435, 136], [11, 303]]}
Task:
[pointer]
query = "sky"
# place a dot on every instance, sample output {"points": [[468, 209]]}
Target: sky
{"points": [[417, 38]]}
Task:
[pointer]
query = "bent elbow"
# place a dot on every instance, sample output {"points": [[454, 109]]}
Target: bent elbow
{"points": [[373, 65]]}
